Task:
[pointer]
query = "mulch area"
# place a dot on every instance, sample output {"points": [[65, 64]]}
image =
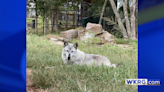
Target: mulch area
{"points": [[29, 87]]}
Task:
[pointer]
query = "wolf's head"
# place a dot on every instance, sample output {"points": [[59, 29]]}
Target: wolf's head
{"points": [[70, 51]]}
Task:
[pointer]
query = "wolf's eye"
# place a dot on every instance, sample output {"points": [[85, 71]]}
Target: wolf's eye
{"points": [[67, 51], [71, 51]]}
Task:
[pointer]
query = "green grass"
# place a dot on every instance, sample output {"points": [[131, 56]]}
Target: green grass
{"points": [[133, 43], [125, 41], [79, 78], [29, 20], [40, 22]]}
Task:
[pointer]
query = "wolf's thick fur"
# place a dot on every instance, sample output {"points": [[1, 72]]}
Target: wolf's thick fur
{"points": [[72, 55]]}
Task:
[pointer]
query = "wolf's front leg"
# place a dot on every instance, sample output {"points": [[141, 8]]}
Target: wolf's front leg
{"points": [[64, 61]]}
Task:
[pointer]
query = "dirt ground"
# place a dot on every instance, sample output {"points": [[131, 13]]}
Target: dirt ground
{"points": [[29, 87]]}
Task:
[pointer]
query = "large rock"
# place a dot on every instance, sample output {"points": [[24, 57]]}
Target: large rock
{"points": [[107, 37], [81, 33], [96, 28], [69, 34], [87, 36], [56, 38]]}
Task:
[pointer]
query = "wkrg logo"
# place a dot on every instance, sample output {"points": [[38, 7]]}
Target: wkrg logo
{"points": [[142, 82], [154, 82]]}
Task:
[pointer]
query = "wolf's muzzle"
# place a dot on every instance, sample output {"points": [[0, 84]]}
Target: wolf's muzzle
{"points": [[69, 57]]}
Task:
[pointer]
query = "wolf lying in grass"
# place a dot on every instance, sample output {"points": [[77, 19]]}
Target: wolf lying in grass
{"points": [[72, 55]]}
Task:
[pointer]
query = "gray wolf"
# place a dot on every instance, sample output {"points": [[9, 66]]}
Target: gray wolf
{"points": [[71, 55]]}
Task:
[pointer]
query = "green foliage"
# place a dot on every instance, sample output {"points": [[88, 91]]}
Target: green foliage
{"points": [[79, 78], [43, 6], [121, 14], [116, 31], [121, 11], [95, 11], [96, 8], [112, 21], [118, 34], [40, 21]]}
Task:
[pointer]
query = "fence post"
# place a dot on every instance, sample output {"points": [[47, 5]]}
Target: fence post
{"points": [[57, 21]]}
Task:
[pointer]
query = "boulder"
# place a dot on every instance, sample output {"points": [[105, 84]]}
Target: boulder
{"points": [[56, 38], [69, 34], [96, 28], [57, 42], [81, 33], [86, 37], [107, 37]]}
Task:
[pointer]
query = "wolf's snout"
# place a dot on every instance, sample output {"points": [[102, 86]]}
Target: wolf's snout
{"points": [[69, 57]]}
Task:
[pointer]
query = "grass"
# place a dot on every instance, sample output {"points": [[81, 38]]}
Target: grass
{"points": [[40, 32], [40, 22], [125, 41], [132, 43], [79, 78]]}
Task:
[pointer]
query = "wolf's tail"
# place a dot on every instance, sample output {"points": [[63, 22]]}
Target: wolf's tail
{"points": [[113, 65]]}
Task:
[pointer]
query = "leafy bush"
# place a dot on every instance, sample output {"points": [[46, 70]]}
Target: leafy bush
{"points": [[116, 31]]}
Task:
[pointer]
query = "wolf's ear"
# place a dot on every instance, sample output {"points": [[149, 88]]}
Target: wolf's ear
{"points": [[65, 43], [75, 45]]}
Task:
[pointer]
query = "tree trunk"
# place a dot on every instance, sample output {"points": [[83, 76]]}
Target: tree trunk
{"points": [[36, 25], [76, 15], [133, 20], [104, 20], [36, 18], [57, 21], [45, 23], [66, 17], [51, 19], [123, 30], [136, 15], [126, 17], [73, 19], [102, 11], [81, 11]]}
